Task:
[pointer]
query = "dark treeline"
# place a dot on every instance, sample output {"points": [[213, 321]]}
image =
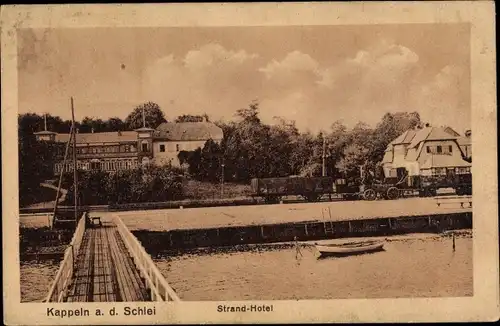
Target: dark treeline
{"points": [[32, 122], [252, 149]]}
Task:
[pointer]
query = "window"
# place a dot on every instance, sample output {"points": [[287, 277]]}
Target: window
{"points": [[144, 147], [162, 148], [439, 149], [439, 171], [450, 149], [127, 148], [177, 147], [428, 149]]}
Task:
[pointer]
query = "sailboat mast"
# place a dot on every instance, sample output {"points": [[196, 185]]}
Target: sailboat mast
{"points": [[75, 175], [61, 174]]}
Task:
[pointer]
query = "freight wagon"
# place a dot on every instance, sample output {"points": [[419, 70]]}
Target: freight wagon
{"points": [[273, 189], [313, 188], [310, 188]]}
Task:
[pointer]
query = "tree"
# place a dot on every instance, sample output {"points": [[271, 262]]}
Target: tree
{"points": [[115, 124], [154, 116], [91, 124], [210, 161], [29, 123], [191, 118], [250, 114], [389, 128], [355, 155]]}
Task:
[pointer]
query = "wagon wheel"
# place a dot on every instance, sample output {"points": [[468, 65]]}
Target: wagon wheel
{"points": [[312, 197], [369, 194], [392, 193]]}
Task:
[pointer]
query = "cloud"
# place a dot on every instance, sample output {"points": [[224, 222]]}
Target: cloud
{"points": [[212, 55], [295, 61], [210, 79], [386, 77], [382, 63], [445, 98]]}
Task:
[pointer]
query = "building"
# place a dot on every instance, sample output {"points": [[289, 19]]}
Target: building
{"points": [[170, 138], [122, 150], [465, 143], [427, 151]]}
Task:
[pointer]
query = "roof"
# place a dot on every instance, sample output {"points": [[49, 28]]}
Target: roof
{"points": [[45, 132], [414, 137], [451, 131], [188, 131], [100, 137], [463, 141], [431, 133], [404, 138], [444, 161]]}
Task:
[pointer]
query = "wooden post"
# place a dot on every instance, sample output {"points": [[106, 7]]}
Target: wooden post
{"points": [[453, 241]]}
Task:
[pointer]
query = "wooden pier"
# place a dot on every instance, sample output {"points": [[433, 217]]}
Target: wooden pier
{"points": [[106, 263]]}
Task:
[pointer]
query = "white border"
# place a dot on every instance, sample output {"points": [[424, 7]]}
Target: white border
{"points": [[484, 305]]}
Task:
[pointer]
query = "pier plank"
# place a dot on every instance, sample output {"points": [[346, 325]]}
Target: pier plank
{"points": [[104, 270]]}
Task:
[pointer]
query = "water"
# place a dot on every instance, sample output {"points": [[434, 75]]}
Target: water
{"points": [[407, 268], [36, 279]]}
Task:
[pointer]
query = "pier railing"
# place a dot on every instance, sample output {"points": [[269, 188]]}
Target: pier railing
{"points": [[160, 289], [64, 275]]}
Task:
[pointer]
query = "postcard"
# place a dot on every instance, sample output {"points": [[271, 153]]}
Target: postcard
{"points": [[249, 163]]}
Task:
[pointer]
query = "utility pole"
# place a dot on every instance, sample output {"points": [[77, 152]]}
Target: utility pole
{"points": [[324, 156], [143, 117], [75, 174], [222, 180]]}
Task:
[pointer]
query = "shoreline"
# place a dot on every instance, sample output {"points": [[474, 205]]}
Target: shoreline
{"points": [[202, 251]]}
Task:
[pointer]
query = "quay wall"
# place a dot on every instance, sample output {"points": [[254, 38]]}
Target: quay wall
{"points": [[46, 244], [159, 242]]}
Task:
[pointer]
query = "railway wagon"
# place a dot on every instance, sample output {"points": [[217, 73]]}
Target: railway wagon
{"points": [[428, 185], [310, 188]]}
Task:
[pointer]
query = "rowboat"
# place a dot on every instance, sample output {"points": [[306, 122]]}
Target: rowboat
{"points": [[353, 248]]}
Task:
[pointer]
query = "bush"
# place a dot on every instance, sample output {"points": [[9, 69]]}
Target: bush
{"points": [[140, 185]]}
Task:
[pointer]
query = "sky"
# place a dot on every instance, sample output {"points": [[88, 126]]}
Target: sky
{"points": [[314, 75]]}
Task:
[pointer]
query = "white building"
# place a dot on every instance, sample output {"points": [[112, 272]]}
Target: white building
{"points": [[170, 138], [427, 151]]}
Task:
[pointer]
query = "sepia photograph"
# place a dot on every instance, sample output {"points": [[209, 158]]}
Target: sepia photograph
{"points": [[241, 165]]}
